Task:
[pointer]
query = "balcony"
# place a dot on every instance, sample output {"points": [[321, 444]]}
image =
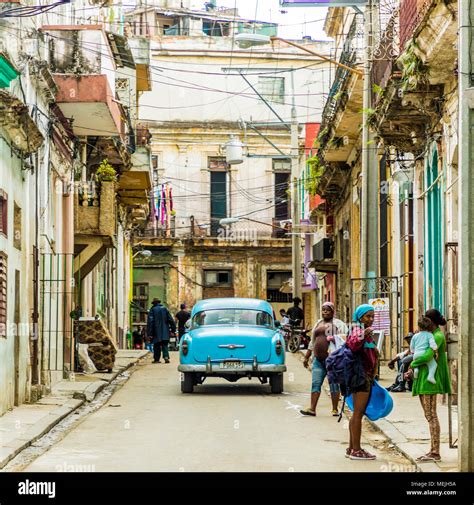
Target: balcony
{"points": [[341, 116], [94, 209], [85, 79], [135, 184], [411, 12], [88, 103], [94, 224], [406, 114], [434, 25], [18, 124], [405, 121]]}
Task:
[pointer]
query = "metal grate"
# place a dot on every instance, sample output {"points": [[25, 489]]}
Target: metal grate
{"points": [[3, 294], [57, 290]]}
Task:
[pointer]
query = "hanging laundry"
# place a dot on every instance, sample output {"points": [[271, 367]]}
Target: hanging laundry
{"points": [[157, 198], [163, 204]]}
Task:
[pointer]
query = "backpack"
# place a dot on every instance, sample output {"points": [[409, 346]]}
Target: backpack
{"points": [[345, 368]]}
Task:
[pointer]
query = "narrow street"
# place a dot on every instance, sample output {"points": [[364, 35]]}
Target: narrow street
{"points": [[149, 425]]}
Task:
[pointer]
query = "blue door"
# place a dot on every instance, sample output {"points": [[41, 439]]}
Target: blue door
{"points": [[433, 235]]}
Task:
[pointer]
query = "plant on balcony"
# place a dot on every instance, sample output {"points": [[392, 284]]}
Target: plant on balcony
{"points": [[316, 171], [106, 172], [379, 91], [336, 142], [415, 73], [322, 137]]}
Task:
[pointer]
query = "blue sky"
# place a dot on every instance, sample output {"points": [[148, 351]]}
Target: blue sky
{"points": [[295, 23]]}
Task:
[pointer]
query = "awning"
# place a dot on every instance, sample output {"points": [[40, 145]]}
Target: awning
{"points": [[324, 266]]}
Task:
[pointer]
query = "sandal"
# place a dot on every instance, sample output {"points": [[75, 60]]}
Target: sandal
{"points": [[348, 452], [308, 412], [335, 412], [428, 457], [361, 454]]}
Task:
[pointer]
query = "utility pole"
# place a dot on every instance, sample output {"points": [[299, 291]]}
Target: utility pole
{"points": [[369, 221], [466, 240], [295, 206]]}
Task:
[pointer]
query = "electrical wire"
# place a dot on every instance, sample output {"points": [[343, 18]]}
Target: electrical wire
{"points": [[242, 93]]}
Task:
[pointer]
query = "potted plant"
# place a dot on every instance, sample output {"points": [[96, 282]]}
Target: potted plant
{"points": [[106, 172]]}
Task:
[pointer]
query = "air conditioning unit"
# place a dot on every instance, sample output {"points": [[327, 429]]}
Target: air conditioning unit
{"points": [[323, 250]]}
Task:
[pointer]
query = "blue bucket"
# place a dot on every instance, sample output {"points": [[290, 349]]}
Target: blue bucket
{"points": [[380, 403]]}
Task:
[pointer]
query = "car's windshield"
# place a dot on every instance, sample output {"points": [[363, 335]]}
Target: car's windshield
{"points": [[232, 316]]}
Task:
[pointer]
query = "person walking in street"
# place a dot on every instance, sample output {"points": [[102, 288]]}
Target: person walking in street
{"points": [[362, 344], [159, 325], [182, 317], [428, 391], [295, 313], [328, 335]]}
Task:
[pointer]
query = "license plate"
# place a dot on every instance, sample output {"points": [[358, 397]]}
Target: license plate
{"points": [[231, 365]]}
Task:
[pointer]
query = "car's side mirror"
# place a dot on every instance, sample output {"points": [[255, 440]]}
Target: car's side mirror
{"points": [[187, 325], [277, 324]]}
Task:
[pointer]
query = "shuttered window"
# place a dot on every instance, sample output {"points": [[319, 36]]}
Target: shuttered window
{"points": [[3, 294], [3, 213]]}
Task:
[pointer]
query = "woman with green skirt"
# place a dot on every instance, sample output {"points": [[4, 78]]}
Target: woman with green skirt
{"points": [[428, 391]]}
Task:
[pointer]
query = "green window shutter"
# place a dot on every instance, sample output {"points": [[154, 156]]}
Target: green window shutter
{"points": [[7, 72]]}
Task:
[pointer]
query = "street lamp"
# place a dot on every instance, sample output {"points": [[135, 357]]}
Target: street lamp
{"points": [[226, 221], [143, 252]]}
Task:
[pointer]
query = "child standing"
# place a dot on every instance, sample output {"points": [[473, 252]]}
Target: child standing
{"points": [[420, 343]]}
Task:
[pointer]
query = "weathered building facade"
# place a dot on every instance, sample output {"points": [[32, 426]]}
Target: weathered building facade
{"points": [[210, 92], [413, 125], [74, 182]]}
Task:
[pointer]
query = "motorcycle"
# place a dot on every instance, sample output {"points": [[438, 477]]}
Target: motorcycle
{"points": [[295, 336]]}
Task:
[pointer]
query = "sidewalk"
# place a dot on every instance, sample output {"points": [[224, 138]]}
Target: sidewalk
{"points": [[407, 428], [25, 424]]}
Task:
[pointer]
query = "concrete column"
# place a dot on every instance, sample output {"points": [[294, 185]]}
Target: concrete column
{"points": [[466, 242], [370, 176]]}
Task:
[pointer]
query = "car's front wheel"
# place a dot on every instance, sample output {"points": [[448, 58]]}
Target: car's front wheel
{"points": [[276, 383], [187, 382]]}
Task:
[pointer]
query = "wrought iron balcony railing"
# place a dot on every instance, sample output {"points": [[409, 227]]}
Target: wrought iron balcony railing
{"points": [[351, 55]]}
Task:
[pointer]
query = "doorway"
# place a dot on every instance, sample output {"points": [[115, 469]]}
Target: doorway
{"points": [[17, 337]]}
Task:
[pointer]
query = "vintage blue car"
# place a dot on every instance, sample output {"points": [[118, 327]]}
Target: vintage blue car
{"points": [[232, 338]]}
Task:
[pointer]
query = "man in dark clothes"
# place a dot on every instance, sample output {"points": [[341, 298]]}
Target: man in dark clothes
{"points": [[182, 316], [160, 324], [295, 312]]}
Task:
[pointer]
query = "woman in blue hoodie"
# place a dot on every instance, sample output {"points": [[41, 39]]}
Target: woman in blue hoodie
{"points": [[361, 342]]}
